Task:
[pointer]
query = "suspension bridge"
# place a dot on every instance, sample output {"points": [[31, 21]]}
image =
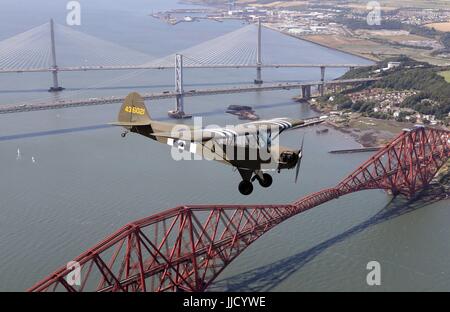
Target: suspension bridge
{"points": [[56, 48], [186, 248], [305, 88]]}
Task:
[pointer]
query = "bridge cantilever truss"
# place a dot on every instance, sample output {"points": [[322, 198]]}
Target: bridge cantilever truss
{"points": [[186, 248]]}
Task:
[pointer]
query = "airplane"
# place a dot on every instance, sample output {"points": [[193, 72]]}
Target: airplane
{"points": [[251, 141]]}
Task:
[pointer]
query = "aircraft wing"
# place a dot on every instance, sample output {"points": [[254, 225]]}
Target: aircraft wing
{"points": [[281, 123], [204, 135]]}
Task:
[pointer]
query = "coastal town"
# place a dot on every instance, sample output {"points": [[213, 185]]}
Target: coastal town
{"points": [[384, 105], [405, 30]]}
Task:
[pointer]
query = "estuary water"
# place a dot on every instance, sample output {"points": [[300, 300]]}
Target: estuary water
{"points": [[68, 180]]}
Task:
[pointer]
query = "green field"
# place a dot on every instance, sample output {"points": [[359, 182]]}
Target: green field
{"points": [[446, 75], [435, 4]]}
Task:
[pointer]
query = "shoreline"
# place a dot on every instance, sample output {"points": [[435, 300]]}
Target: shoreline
{"points": [[365, 140], [353, 132], [337, 49], [321, 44], [361, 130]]}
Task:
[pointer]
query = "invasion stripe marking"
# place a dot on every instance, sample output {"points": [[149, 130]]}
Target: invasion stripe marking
{"points": [[218, 132]]}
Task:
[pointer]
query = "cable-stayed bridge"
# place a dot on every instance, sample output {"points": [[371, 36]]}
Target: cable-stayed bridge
{"points": [[56, 48], [32, 51]]}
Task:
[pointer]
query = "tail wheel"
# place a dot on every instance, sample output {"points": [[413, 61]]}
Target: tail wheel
{"points": [[266, 181], [246, 188]]}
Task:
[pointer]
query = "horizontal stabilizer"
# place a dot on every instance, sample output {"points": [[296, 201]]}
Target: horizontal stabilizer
{"points": [[192, 136], [129, 124]]}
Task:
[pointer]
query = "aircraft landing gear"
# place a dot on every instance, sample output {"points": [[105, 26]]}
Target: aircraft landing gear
{"points": [[249, 176], [266, 181], [124, 134], [245, 188]]}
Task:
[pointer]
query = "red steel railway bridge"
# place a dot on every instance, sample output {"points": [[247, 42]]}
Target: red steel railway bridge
{"points": [[186, 248]]}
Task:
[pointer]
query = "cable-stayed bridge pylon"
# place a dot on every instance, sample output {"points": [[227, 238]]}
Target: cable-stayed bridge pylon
{"points": [[53, 47]]}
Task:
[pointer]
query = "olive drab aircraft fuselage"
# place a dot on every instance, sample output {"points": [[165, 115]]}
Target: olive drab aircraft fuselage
{"points": [[251, 148]]}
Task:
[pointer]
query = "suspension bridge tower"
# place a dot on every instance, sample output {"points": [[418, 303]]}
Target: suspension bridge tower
{"points": [[179, 113], [258, 79]]}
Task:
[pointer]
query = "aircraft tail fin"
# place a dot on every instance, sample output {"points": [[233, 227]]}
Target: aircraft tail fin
{"points": [[133, 112]]}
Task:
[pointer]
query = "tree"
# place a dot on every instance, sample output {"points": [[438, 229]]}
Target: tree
{"points": [[357, 106]]}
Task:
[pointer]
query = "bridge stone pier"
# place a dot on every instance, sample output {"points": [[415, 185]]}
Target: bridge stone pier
{"points": [[321, 87], [306, 92]]}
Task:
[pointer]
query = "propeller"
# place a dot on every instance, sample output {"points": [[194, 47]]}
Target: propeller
{"points": [[299, 162]]}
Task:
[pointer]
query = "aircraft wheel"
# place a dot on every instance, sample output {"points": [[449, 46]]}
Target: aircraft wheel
{"points": [[246, 188], [267, 182], [124, 134]]}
